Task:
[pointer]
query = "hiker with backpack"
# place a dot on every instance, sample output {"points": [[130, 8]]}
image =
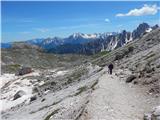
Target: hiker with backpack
{"points": [[110, 68]]}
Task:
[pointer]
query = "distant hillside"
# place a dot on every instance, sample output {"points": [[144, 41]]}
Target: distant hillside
{"points": [[22, 54]]}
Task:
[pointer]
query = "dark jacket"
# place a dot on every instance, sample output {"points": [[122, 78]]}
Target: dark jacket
{"points": [[110, 66]]}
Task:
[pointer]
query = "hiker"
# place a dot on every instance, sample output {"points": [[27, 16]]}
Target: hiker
{"points": [[110, 67]]}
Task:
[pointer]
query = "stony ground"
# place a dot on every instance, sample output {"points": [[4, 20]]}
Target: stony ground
{"points": [[113, 99], [62, 100]]}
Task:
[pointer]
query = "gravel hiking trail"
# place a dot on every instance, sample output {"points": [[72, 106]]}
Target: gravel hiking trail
{"points": [[113, 99]]}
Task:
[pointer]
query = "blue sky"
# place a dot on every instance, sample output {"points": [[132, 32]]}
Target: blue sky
{"points": [[29, 20]]}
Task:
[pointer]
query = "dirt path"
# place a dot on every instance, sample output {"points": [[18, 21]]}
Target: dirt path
{"points": [[113, 99]]}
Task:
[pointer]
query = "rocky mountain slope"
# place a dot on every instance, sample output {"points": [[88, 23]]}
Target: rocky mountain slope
{"points": [[137, 64], [141, 57], [67, 86]]}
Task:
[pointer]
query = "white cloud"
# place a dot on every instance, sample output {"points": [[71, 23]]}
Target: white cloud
{"points": [[145, 10], [107, 20]]}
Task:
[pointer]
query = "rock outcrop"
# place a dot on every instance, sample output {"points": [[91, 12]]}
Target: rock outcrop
{"points": [[24, 70]]}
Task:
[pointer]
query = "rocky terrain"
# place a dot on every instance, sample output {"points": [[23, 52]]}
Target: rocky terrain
{"points": [[141, 57], [79, 87]]}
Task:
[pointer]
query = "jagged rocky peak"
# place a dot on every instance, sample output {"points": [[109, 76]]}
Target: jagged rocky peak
{"points": [[140, 30], [155, 27], [143, 26], [51, 40], [91, 36], [82, 35], [112, 44], [76, 35], [54, 38]]}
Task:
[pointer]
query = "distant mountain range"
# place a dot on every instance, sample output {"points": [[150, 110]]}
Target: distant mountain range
{"points": [[87, 43]]}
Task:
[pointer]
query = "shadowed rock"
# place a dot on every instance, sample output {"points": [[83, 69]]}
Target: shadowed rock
{"points": [[130, 78], [33, 98], [19, 94]]}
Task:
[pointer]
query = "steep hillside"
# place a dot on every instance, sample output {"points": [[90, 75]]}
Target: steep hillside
{"points": [[133, 91], [141, 57]]}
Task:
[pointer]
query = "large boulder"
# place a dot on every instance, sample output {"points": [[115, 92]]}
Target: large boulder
{"points": [[24, 70], [19, 94]]}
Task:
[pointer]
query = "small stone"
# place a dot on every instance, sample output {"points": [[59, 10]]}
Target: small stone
{"points": [[135, 82], [43, 99], [19, 94], [33, 98], [130, 78]]}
